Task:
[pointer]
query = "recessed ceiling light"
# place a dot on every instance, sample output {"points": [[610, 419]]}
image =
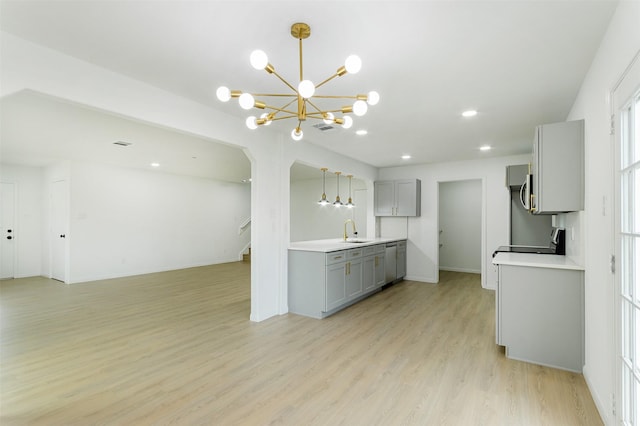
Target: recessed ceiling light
{"points": [[470, 113], [361, 132], [155, 164], [406, 157], [485, 148]]}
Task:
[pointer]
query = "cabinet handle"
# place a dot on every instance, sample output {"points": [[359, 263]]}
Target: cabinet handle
{"points": [[337, 257]]}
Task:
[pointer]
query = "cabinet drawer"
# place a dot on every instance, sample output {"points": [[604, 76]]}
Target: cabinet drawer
{"points": [[380, 248], [336, 257], [369, 250], [354, 253]]}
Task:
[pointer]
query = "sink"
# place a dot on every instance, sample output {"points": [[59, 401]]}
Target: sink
{"points": [[355, 241]]}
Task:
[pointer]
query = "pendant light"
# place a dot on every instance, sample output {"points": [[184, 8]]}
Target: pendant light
{"points": [[337, 202], [350, 202], [323, 201]]}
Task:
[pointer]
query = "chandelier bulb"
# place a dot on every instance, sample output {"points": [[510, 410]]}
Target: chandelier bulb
{"points": [[306, 89], [246, 101], [223, 93], [296, 134], [328, 118], [259, 59], [348, 122], [251, 122], [267, 117], [360, 108], [373, 98], [353, 64]]}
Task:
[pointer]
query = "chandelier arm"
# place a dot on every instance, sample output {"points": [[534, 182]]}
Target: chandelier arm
{"points": [[335, 96], [327, 80], [295, 113], [284, 117], [285, 82], [314, 106], [274, 94]]}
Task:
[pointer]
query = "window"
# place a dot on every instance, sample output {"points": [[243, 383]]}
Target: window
{"points": [[628, 274]]}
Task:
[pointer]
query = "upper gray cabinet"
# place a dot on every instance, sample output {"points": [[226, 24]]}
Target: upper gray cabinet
{"points": [[397, 197], [558, 168]]}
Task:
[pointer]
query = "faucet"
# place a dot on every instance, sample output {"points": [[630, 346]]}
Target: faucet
{"points": [[353, 226]]}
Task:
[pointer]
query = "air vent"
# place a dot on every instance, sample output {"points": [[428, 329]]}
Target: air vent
{"points": [[122, 143], [323, 127]]}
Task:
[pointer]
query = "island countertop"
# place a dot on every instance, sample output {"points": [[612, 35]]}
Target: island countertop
{"points": [[336, 244], [536, 260]]}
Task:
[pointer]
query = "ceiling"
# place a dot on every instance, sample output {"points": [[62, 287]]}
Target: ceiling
{"points": [[517, 63]]}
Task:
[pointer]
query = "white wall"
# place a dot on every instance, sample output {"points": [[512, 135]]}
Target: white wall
{"points": [[311, 221], [460, 215], [422, 232], [594, 226], [126, 222], [29, 220]]}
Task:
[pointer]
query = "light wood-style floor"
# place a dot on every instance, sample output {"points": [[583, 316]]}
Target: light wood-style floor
{"points": [[178, 348]]}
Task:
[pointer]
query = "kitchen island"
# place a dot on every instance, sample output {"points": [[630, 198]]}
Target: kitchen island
{"points": [[326, 276], [540, 309]]}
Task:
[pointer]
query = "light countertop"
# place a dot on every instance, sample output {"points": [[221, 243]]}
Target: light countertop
{"points": [[536, 260], [335, 244]]}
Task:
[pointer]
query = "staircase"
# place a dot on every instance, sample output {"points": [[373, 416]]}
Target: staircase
{"points": [[246, 257]]}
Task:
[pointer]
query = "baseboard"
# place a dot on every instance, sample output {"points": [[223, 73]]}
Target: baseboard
{"points": [[605, 416], [101, 277], [453, 269], [429, 280]]}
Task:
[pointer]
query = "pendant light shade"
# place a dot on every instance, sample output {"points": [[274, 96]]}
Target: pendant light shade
{"points": [[337, 202], [323, 200], [350, 202]]}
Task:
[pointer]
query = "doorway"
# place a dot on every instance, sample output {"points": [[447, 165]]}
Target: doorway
{"points": [[7, 230], [460, 219], [59, 229]]}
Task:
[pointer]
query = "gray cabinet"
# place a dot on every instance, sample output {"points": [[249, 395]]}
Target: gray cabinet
{"points": [[353, 274], [397, 197], [321, 284], [401, 260], [540, 315], [558, 168], [373, 267], [516, 175]]}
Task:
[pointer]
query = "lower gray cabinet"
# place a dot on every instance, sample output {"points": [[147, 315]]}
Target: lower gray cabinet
{"points": [[336, 293], [373, 267], [540, 315], [353, 274], [321, 283]]}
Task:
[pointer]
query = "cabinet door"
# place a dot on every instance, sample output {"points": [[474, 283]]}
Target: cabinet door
{"points": [[401, 260], [335, 286], [379, 270], [384, 198], [558, 156], [369, 270], [353, 282], [407, 194]]}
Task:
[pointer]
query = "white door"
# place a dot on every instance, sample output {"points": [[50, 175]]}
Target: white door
{"points": [[7, 230], [627, 246], [59, 229]]}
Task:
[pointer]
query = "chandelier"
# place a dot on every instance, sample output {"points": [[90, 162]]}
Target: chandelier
{"points": [[300, 101]]}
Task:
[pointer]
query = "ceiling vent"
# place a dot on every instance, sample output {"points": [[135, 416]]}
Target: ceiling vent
{"points": [[323, 127], [122, 143]]}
